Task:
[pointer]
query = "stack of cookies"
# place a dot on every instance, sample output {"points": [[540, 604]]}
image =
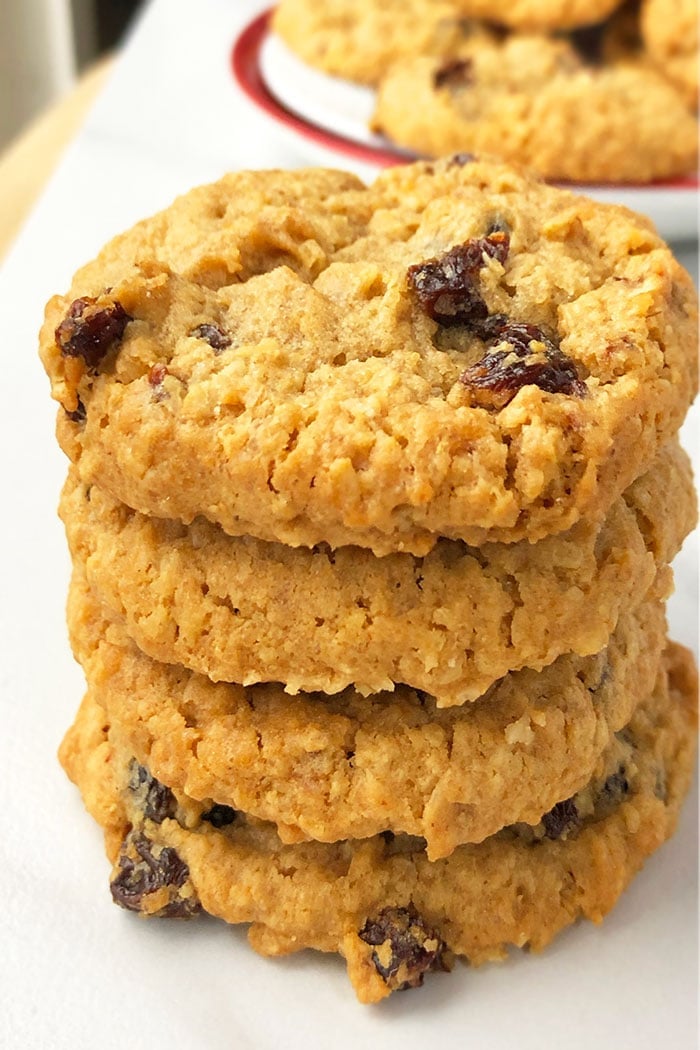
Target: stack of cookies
{"points": [[372, 498], [585, 91]]}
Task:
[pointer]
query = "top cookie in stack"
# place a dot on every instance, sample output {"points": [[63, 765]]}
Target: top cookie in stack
{"points": [[408, 452], [457, 351], [580, 91]]}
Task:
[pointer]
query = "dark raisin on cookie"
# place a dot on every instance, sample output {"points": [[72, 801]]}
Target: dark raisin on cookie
{"points": [[456, 73], [220, 816], [561, 819], [446, 286], [153, 799], [588, 42], [145, 868], [216, 337], [405, 947], [460, 160], [524, 356], [91, 328], [79, 414], [616, 787], [325, 549]]}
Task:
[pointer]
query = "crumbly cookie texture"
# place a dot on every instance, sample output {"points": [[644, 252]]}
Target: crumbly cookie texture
{"points": [[456, 350], [670, 30], [241, 610], [357, 41], [330, 768], [393, 914], [541, 102]]}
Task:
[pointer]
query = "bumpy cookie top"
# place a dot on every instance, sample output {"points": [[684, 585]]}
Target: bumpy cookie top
{"points": [[457, 350]]}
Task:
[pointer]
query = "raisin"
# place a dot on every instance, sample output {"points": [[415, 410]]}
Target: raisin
{"points": [[531, 359], [155, 380], [90, 329], [497, 29], [561, 819], [145, 868], [406, 948], [79, 414], [616, 787], [446, 286], [155, 800], [157, 375], [588, 42], [325, 549], [460, 160], [457, 73], [216, 337], [220, 816]]}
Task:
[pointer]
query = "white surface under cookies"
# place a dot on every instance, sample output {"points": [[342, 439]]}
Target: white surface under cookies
{"points": [[77, 972]]}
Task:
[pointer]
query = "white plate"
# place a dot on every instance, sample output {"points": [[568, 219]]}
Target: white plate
{"points": [[343, 110]]}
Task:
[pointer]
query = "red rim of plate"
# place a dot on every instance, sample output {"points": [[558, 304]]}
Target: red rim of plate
{"points": [[245, 64]]}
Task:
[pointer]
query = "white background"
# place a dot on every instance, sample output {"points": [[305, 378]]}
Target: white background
{"points": [[74, 970]]}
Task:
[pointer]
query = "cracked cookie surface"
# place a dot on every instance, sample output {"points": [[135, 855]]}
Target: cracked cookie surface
{"points": [[344, 407], [380, 903]]}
